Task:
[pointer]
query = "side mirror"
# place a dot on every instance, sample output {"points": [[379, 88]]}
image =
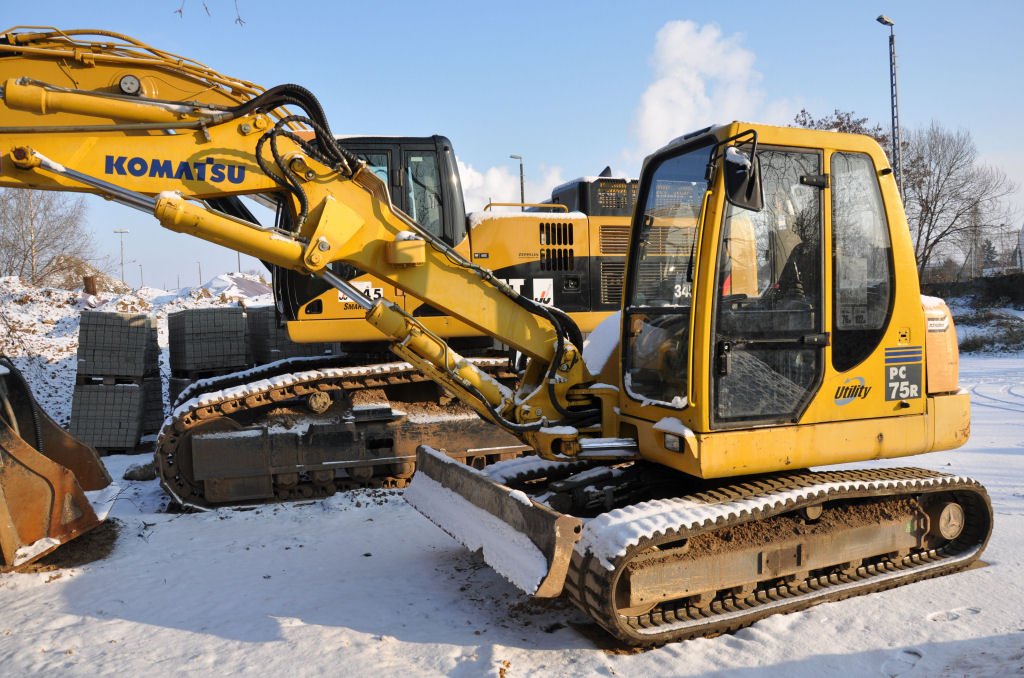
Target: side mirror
{"points": [[743, 180]]}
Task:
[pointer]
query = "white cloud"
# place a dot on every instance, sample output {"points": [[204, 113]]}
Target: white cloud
{"points": [[501, 184], [701, 77]]}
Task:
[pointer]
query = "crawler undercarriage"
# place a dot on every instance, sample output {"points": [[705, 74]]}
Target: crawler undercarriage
{"points": [[303, 428], [652, 565]]}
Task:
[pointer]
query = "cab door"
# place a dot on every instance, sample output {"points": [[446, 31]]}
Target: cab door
{"points": [[768, 320]]}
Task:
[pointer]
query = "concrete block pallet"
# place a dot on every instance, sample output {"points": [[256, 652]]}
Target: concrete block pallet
{"points": [[118, 394], [206, 340], [117, 344], [108, 416], [269, 339]]}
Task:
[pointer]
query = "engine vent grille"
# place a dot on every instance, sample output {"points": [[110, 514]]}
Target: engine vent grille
{"points": [[672, 241], [557, 259], [612, 275], [556, 251], [617, 195], [614, 239], [556, 233]]}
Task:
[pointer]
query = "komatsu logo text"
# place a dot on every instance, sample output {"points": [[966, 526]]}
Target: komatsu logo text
{"points": [[207, 170]]}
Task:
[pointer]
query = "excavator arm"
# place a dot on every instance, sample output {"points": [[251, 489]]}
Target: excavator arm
{"points": [[101, 113]]}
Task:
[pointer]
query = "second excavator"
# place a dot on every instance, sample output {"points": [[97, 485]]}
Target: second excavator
{"points": [[771, 321]]}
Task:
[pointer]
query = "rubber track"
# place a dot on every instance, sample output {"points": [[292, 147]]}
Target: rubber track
{"points": [[274, 384], [590, 585]]}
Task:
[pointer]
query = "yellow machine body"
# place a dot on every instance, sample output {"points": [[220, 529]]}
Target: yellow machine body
{"points": [[854, 412]]}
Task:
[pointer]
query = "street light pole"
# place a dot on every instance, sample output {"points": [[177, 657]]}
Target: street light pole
{"points": [[122, 232], [141, 282], [897, 147], [522, 183], [199, 264]]}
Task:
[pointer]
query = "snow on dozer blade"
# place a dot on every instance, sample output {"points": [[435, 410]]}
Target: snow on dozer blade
{"points": [[526, 542], [47, 478]]}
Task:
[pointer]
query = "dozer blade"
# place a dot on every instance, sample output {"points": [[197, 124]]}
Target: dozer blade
{"points": [[52, 487], [527, 543]]}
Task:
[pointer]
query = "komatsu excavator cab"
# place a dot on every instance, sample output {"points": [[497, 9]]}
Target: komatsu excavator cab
{"points": [[770, 310]]}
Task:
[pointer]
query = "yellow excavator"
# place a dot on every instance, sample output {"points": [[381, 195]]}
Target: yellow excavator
{"points": [[771, 320]]}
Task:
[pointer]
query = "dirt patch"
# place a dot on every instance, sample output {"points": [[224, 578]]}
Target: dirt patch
{"points": [[369, 396], [141, 472], [789, 526], [414, 402], [96, 544]]}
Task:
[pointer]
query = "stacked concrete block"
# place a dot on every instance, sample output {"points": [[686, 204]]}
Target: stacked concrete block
{"points": [[117, 396], [207, 341], [117, 345], [269, 340], [175, 385], [108, 416], [153, 404]]}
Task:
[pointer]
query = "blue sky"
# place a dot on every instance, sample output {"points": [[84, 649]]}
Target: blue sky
{"points": [[570, 86]]}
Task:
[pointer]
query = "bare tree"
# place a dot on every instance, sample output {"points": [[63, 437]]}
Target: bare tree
{"points": [[952, 202], [42, 235], [206, 8], [843, 121], [950, 198]]}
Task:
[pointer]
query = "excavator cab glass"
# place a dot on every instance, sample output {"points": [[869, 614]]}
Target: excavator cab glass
{"points": [[768, 334], [660, 286]]}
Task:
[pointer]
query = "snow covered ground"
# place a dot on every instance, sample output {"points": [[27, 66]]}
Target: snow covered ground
{"points": [[361, 584]]}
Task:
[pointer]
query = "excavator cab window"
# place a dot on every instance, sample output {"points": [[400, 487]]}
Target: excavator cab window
{"points": [[422, 181], [378, 163], [768, 307], [660, 288], [862, 261], [422, 177]]}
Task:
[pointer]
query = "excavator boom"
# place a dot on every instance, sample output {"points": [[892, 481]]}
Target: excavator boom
{"points": [[238, 141]]}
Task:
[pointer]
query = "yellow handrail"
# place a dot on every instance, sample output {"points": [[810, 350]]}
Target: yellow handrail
{"points": [[545, 205]]}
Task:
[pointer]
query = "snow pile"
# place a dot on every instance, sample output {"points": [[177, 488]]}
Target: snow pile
{"points": [[602, 343], [39, 326], [987, 329], [248, 289]]}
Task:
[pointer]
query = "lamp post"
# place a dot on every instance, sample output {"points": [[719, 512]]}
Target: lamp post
{"points": [[122, 232], [522, 183], [141, 282], [199, 264], [897, 148]]}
